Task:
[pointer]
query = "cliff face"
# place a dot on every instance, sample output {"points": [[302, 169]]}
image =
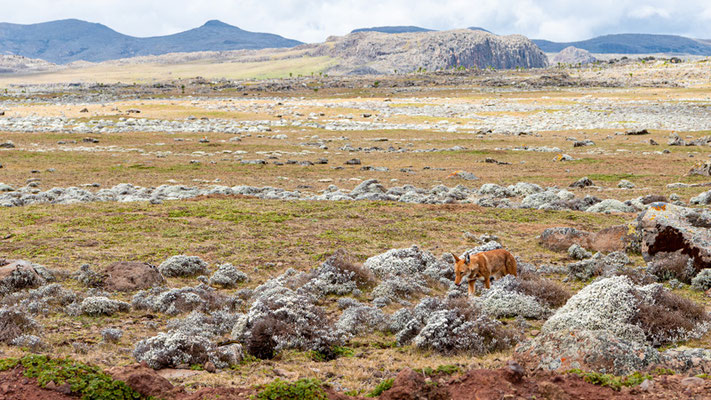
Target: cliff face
{"points": [[406, 52]]}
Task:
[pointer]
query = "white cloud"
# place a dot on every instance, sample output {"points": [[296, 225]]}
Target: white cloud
{"points": [[314, 20]]}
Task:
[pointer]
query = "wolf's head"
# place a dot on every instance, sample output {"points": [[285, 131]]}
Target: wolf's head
{"points": [[465, 268]]}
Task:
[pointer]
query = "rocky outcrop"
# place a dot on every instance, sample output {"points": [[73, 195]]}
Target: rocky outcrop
{"points": [[574, 56], [407, 52], [667, 228]]}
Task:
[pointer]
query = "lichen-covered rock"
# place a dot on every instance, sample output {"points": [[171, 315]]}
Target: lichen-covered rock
{"points": [[582, 182], [625, 184], [227, 276], [492, 189], [703, 169], [540, 200], [611, 326], [596, 350], [183, 266], [608, 206], [667, 228], [176, 301], [127, 276], [702, 199], [19, 274], [100, 305]]}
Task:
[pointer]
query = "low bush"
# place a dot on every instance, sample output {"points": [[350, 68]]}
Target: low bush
{"points": [[90, 382], [303, 389], [545, 290], [668, 317]]}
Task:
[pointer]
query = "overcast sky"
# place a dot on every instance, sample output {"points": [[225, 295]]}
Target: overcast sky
{"points": [[314, 20]]}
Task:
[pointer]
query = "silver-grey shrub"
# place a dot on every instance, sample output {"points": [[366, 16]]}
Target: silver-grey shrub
{"points": [[183, 266]]}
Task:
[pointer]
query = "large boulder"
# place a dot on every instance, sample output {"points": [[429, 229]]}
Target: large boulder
{"points": [[613, 326], [126, 276], [667, 228], [703, 169], [20, 274]]}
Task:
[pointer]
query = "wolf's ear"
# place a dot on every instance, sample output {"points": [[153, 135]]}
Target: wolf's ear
{"points": [[457, 259], [468, 259]]}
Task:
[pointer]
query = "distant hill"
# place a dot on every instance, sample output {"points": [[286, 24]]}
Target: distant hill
{"points": [[70, 40], [634, 43], [392, 29]]}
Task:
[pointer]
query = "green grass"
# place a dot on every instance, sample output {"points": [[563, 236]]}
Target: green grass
{"points": [[88, 381], [382, 386], [611, 381]]}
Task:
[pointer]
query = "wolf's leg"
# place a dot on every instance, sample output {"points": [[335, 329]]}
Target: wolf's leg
{"points": [[487, 282], [471, 288]]}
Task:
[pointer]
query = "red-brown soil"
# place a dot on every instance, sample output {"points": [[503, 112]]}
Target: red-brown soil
{"points": [[478, 384]]}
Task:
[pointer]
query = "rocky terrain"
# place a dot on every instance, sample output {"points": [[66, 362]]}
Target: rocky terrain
{"points": [[573, 56], [222, 238], [18, 64], [383, 53]]}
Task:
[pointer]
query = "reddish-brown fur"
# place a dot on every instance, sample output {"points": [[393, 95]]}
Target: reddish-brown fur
{"points": [[497, 263]]}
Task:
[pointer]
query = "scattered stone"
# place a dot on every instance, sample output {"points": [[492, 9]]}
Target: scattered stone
{"points": [[353, 161], [637, 132], [703, 169], [625, 184], [8, 144], [582, 182], [467, 176]]}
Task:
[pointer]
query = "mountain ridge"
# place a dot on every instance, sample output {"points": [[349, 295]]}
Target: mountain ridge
{"points": [[68, 40], [633, 43]]}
